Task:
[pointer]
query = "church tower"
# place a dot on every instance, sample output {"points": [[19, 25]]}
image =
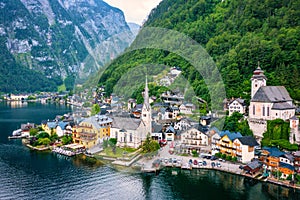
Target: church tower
{"points": [[258, 80], [146, 110]]}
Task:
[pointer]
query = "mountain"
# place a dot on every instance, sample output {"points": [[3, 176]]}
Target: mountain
{"points": [[237, 34], [44, 42]]}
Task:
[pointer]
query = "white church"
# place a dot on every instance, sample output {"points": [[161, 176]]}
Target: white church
{"points": [[131, 132], [269, 103]]}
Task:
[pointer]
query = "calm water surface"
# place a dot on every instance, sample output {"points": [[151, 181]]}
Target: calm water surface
{"points": [[25, 174]]}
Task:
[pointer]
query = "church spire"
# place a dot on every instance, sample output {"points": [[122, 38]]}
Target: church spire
{"points": [[146, 96]]}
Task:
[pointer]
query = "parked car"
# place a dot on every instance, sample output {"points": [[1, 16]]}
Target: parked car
{"points": [[195, 162], [213, 158], [200, 163], [219, 164], [204, 163], [241, 167]]}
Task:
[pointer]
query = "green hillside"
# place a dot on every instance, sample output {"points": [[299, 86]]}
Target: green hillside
{"points": [[238, 34]]}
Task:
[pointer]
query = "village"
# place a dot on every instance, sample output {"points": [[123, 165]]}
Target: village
{"points": [[184, 142]]}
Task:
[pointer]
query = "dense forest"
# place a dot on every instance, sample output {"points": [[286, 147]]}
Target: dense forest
{"points": [[237, 34]]}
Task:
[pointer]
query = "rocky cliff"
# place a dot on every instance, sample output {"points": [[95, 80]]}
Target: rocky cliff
{"points": [[55, 39]]}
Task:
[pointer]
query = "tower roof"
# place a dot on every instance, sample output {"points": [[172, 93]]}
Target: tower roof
{"points": [[258, 74]]}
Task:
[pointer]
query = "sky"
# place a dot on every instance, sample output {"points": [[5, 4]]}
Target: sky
{"points": [[134, 10]]}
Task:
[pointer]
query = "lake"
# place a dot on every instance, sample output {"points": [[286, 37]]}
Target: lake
{"points": [[26, 174]]}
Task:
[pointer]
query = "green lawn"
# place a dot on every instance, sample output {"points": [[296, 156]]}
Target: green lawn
{"points": [[119, 152]]}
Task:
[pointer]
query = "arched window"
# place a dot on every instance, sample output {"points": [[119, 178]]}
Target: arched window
{"points": [[253, 109]]}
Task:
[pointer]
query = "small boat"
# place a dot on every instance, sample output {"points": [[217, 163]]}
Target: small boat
{"points": [[17, 132]]}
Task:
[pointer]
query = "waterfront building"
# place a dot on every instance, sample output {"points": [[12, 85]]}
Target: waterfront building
{"points": [[170, 133], [214, 140], [226, 142], [277, 161], [92, 131], [49, 127], [267, 103], [243, 148], [132, 132], [193, 139]]}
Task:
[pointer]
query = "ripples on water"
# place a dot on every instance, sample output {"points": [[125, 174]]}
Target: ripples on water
{"points": [[26, 174]]}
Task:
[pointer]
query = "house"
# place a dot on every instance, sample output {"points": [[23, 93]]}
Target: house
{"points": [[214, 140], [270, 157], [243, 148], [253, 167], [297, 161], [63, 128], [132, 132], [193, 139], [157, 133], [173, 98], [187, 108], [170, 133], [168, 113], [92, 131], [237, 105], [49, 127], [26, 128], [226, 142], [267, 103]]}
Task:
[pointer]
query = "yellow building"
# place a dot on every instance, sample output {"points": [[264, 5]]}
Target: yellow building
{"points": [[226, 142], [91, 131]]}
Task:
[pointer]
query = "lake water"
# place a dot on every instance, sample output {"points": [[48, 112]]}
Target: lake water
{"points": [[26, 174]]}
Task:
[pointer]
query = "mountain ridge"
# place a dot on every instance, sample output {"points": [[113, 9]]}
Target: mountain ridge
{"points": [[57, 39]]}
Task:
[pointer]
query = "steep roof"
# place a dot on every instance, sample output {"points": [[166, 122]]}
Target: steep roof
{"points": [[248, 140], [126, 123], [282, 106], [271, 94], [231, 135]]}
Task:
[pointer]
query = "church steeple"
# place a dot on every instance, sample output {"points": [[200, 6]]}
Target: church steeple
{"points": [[146, 111], [258, 80], [146, 104]]}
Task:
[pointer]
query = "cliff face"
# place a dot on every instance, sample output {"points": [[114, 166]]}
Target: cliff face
{"points": [[59, 38]]}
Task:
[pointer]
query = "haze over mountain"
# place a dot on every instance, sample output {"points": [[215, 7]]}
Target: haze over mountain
{"points": [[44, 42]]}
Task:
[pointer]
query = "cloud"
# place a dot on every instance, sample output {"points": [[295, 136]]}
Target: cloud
{"points": [[135, 10]]}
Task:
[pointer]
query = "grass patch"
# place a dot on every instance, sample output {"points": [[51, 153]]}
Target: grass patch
{"points": [[61, 88]]}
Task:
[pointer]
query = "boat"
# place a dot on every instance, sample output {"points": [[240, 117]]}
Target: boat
{"points": [[17, 132]]}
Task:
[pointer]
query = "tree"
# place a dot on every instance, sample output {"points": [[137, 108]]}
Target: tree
{"points": [[150, 145], [33, 131], [95, 109]]}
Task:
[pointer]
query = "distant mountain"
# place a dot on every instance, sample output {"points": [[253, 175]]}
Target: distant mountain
{"points": [[237, 34], [44, 42], [134, 27]]}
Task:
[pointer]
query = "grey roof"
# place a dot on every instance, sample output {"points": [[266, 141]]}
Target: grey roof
{"points": [[248, 140], [254, 164], [239, 100], [282, 106], [156, 128], [271, 94], [98, 120], [126, 123]]}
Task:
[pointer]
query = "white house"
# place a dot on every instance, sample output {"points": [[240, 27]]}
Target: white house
{"points": [[237, 105], [243, 148], [193, 139], [187, 108]]}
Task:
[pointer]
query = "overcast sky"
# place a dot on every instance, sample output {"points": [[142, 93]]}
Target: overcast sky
{"points": [[135, 10]]}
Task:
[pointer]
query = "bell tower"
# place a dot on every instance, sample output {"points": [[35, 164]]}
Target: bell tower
{"points": [[258, 80]]}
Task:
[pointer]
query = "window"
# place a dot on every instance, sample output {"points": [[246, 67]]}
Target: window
{"points": [[253, 109], [268, 111], [263, 110], [130, 137]]}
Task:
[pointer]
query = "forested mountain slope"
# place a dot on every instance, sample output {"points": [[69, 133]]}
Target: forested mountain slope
{"points": [[238, 34]]}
